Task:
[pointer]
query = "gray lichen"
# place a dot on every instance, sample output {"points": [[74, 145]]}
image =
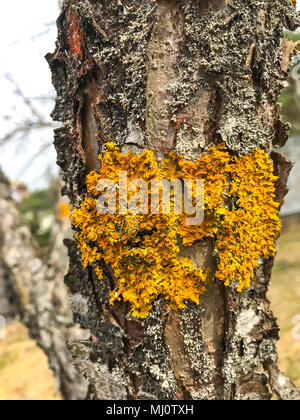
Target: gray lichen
{"points": [[220, 52], [104, 384], [117, 36], [150, 361], [196, 352]]}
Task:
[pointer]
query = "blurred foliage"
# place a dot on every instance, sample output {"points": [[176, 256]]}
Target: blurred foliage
{"points": [[292, 36], [284, 295], [38, 209], [290, 97]]}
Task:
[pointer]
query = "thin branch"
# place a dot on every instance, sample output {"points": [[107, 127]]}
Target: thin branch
{"points": [[26, 100], [40, 151], [25, 128]]}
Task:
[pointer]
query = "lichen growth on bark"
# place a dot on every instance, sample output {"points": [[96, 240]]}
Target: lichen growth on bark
{"points": [[142, 248]]}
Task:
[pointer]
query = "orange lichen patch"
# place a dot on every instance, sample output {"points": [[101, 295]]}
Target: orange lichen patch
{"points": [[249, 229], [76, 36], [241, 216], [141, 249], [214, 168]]}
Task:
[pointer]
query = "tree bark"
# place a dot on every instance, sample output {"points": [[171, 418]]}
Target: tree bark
{"points": [[8, 297], [183, 76]]}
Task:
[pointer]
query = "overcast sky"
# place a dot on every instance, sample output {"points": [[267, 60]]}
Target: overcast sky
{"points": [[27, 33]]}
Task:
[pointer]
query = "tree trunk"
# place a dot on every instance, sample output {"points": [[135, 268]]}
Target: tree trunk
{"points": [[183, 76]]}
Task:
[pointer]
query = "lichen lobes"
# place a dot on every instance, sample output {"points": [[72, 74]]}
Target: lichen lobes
{"points": [[241, 215]]}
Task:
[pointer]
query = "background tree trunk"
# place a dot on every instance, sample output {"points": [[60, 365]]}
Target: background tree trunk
{"points": [[168, 75], [39, 294]]}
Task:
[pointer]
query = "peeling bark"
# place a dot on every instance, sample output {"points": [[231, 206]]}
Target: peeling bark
{"points": [[171, 75]]}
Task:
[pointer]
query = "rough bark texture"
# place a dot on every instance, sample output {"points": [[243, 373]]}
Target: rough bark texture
{"points": [[8, 307], [40, 295], [171, 75], [8, 297]]}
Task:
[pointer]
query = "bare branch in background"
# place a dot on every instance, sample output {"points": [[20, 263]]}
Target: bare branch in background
{"points": [[34, 122], [24, 129], [26, 100]]}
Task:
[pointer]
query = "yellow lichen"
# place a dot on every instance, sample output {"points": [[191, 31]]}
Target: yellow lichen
{"points": [[142, 250]]}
